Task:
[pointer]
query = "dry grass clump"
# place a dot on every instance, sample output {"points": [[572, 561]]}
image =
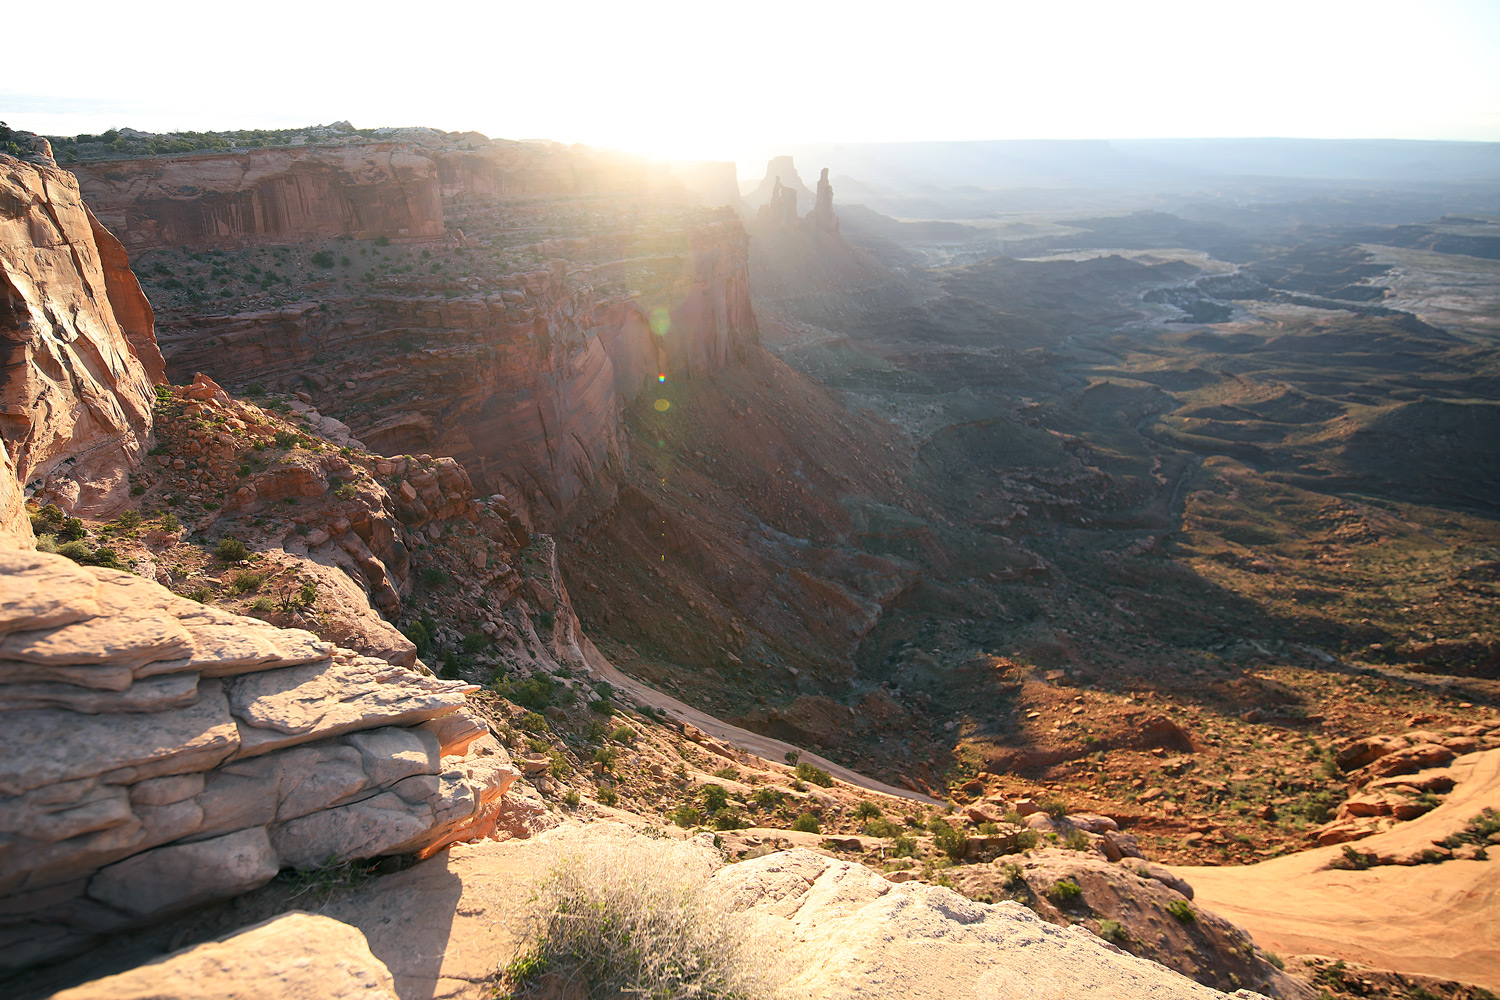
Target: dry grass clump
{"points": [[618, 914]]}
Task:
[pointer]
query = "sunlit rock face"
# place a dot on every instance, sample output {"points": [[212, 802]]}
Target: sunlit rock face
{"points": [[77, 357], [266, 195], [157, 754]]}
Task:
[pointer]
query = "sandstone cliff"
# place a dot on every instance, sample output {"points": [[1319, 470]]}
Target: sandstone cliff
{"points": [[521, 379], [188, 754], [259, 195], [76, 353]]}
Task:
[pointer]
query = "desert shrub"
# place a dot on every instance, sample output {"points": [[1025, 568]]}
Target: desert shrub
{"points": [[881, 827], [1076, 840], [948, 839], [231, 549], [768, 798], [729, 819], [1026, 839], [1180, 909], [1052, 806], [606, 756], [730, 773], [534, 722], [246, 582], [322, 259], [74, 550], [474, 642], [806, 823], [72, 529], [263, 606], [622, 734], [286, 439], [46, 543], [199, 594], [1274, 959], [714, 798], [1112, 931], [49, 518], [608, 796], [419, 636], [534, 692], [867, 810], [130, 519], [1065, 890], [618, 915], [989, 829], [169, 522], [816, 775], [686, 816], [903, 847], [792, 756], [1010, 876], [572, 798], [307, 594], [603, 706], [106, 557]]}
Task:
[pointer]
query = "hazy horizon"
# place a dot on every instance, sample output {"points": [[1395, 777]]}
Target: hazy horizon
{"points": [[671, 80]]}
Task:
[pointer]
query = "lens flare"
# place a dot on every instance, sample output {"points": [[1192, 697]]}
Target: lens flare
{"points": [[662, 405], [661, 376], [661, 321]]}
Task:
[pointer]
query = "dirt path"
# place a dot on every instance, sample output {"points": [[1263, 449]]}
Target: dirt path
{"points": [[763, 746], [1432, 919]]}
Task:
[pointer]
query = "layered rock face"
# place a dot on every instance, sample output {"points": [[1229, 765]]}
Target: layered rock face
{"points": [[190, 754], [76, 353], [521, 381], [266, 195]]}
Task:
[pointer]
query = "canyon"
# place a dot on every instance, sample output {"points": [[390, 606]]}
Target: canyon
{"points": [[1132, 537]]}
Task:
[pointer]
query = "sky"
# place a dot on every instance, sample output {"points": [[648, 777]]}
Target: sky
{"points": [[708, 80]]}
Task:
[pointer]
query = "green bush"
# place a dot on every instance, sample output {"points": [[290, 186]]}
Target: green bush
{"points": [[714, 798], [1180, 909], [1026, 839], [231, 549], [686, 816], [617, 915], [1113, 931], [74, 550], [903, 847], [246, 582], [169, 522], [473, 642], [130, 519], [867, 810], [322, 259], [882, 827], [534, 722], [768, 798], [806, 823], [1052, 806], [1076, 840], [816, 775], [602, 707], [946, 838], [535, 692], [1065, 890], [622, 734], [729, 819], [72, 529], [419, 636]]}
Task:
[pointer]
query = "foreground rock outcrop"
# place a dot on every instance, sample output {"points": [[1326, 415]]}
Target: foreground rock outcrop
{"points": [[77, 357], [298, 956], [156, 753]]}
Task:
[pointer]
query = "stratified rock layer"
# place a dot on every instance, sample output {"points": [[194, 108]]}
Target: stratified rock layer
{"points": [[156, 754], [73, 326], [265, 195]]}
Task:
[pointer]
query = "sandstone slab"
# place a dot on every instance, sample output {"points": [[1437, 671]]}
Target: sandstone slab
{"points": [[297, 956], [182, 875]]}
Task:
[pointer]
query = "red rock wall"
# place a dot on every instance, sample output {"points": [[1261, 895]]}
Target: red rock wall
{"points": [[266, 195], [524, 385], [75, 397]]}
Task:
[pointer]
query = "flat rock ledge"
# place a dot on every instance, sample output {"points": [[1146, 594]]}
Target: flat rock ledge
{"points": [[157, 754]]}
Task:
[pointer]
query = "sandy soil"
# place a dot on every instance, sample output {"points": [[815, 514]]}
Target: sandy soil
{"points": [[1431, 919]]}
